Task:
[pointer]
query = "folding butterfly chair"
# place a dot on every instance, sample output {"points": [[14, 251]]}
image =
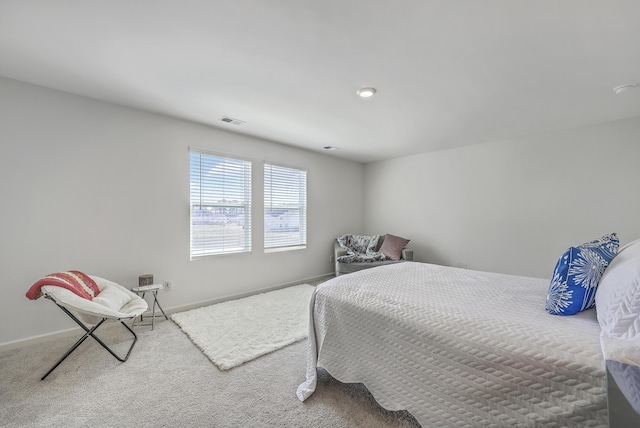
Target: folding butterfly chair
{"points": [[112, 303]]}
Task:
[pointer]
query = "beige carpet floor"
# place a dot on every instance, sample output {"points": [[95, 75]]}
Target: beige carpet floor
{"points": [[168, 382]]}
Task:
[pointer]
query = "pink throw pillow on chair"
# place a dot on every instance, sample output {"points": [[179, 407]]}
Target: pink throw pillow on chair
{"points": [[393, 245]]}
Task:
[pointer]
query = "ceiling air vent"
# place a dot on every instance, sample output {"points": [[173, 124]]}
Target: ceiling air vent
{"points": [[231, 120]]}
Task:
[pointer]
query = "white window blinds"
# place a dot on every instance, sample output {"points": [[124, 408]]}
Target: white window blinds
{"points": [[285, 207], [220, 205]]}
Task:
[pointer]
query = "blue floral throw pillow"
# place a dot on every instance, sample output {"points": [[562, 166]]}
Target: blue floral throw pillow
{"points": [[577, 274]]}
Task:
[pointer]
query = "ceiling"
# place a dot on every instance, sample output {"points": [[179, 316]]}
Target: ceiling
{"points": [[449, 73]]}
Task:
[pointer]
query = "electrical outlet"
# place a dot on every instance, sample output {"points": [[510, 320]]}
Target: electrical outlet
{"points": [[331, 259], [168, 284]]}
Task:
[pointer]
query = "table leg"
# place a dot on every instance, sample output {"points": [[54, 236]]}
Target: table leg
{"points": [[153, 310]]}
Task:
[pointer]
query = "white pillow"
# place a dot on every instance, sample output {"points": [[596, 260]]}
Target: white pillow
{"points": [[112, 298], [618, 295]]}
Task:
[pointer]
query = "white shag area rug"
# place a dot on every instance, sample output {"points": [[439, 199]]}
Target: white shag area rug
{"points": [[234, 332]]}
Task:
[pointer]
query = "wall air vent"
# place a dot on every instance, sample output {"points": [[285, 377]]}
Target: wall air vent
{"points": [[231, 120]]}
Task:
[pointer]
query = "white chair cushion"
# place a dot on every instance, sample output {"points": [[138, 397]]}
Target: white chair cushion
{"points": [[118, 302], [112, 298]]}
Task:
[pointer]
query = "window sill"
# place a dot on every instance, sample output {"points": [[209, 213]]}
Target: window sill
{"points": [[281, 249], [213, 256]]}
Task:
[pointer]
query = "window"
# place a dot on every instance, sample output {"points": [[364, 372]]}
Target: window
{"points": [[220, 205], [285, 208]]}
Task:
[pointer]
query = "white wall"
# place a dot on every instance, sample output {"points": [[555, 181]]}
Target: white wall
{"points": [[511, 206], [104, 189]]}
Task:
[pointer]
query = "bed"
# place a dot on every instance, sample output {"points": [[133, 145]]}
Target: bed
{"points": [[457, 347]]}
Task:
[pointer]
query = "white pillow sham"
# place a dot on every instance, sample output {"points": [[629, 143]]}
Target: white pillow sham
{"points": [[618, 295]]}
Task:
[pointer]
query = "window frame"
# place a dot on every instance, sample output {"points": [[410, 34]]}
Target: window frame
{"points": [[301, 207], [220, 209]]}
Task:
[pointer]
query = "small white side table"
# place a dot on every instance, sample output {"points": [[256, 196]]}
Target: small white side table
{"points": [[153, 289]]}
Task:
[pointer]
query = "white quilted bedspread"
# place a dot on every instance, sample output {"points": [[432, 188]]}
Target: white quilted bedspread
{"points": [[457, 347]]}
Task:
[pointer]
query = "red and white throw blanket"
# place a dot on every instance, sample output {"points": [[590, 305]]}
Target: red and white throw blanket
{"points": [[78, 282]]}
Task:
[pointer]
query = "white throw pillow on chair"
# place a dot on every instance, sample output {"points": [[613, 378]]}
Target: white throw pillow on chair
{"points": [[112, 298]]}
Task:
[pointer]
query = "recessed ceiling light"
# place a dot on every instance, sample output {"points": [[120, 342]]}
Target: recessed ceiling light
{"points": [[330, 148], [366, 92], [624, 88]]}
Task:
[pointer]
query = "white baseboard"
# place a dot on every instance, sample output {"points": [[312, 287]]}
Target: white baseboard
{"points": [[202, 303], [39, 339], [20, 343]]}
